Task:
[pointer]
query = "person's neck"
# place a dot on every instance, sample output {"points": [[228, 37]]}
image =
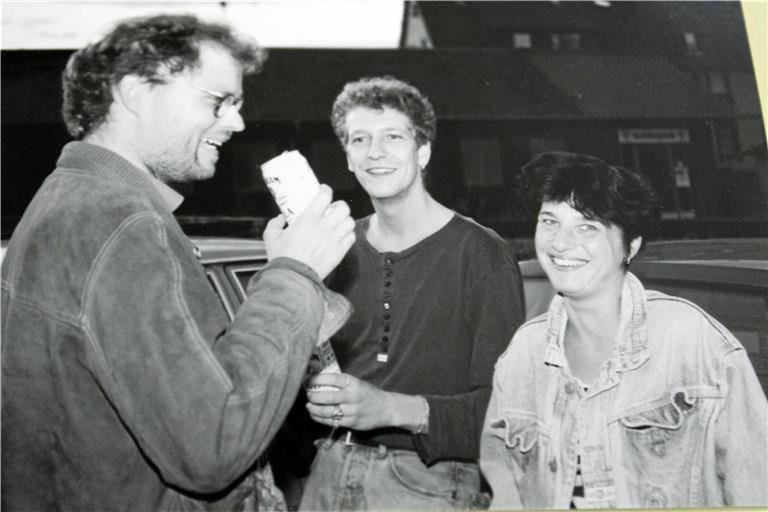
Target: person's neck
{"points": [[591, 331], [592, 323], [105, 138], [596, 317], [401, 223]]}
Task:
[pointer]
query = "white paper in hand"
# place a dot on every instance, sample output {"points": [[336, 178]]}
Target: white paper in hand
{"points": [[291, 182]]}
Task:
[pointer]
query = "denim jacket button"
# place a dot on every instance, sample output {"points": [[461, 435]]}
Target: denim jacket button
{"points": [[553, 465]]}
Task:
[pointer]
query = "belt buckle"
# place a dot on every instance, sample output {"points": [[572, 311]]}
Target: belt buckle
{"points": [[348, 439]]}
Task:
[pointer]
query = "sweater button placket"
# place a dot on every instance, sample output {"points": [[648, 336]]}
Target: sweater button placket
{"points": [[387, 305]]}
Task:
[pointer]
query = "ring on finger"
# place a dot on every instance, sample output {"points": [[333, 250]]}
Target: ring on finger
{"points": [[337, 414]]}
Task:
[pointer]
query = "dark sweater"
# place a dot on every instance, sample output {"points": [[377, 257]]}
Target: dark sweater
{"points": [[442, 311]]}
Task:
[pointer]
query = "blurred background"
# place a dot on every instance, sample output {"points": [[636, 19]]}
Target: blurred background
{"points": [[666, 88]]}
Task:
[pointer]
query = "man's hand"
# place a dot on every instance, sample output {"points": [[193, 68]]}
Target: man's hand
{"points": [[319, 237], [363, 406]]}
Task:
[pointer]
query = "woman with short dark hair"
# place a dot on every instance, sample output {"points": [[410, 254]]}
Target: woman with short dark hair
{"points": [[617, 396]]}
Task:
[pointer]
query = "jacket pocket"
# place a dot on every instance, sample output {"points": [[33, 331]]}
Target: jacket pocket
{"points": [[521, 437], [661, 424], [660, 446], [519, 433]]}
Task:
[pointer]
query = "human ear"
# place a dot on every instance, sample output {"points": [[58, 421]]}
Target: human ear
{"points": [[349, 164], [424, 153], [130, 92], [634, 247]]}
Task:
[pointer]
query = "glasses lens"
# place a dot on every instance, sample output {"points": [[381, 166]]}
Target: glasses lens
{"points": [[223, 105]]}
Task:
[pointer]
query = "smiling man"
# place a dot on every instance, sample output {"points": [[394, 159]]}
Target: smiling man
{"points": [[125, 387], [436, 297]]}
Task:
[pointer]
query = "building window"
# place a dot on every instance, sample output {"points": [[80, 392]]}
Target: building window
{"points": [[482, 161], [556, 44], [568, 41], [572, 41], [522, 40], [717, 83], [690, 42]]}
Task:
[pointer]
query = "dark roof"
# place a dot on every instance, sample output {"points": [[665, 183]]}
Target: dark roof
{"points": [[488, 84], [468, 83], [627, 87], [491, 24], [461, 83], [652, 27]]}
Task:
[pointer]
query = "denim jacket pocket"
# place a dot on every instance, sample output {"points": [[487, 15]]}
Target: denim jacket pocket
{"points": [[661, 420], [521, 436], [659, 449]]}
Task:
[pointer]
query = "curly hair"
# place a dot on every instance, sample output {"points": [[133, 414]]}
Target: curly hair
{"points": [[376, 93], [141, 46], [609, 194]]}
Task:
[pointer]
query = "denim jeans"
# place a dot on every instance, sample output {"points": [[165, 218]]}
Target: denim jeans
{"points": [[360, 477]]}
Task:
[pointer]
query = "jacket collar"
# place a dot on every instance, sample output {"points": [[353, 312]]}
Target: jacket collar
{"points": [[106, 163], [631, 343]]}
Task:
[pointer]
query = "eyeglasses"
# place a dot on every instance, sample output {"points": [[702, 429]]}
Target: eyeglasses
{"points": [[224, 102]]}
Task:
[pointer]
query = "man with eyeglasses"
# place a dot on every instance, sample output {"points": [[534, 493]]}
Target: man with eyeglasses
{"points": [[125, 387]]}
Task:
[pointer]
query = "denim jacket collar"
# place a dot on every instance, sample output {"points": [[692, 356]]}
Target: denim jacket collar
{"points": [[631, 343], [104, 162], [171, 198]]}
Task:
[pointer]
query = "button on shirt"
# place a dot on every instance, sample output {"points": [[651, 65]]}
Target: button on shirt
{"points": [[431, 320]]}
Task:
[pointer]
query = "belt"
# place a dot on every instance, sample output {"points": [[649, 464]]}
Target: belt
{"points": [[350, 437], [390, 438]]}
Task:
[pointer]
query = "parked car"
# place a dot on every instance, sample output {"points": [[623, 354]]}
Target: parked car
{"points": [[229, 264], [728, 278]]}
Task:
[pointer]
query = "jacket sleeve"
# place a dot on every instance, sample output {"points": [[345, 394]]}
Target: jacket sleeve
{"points": [[741, 438], [202, 410], [496, 309]]}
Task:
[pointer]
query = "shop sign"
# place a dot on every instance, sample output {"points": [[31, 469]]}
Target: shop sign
{"points": [[654, 136]]}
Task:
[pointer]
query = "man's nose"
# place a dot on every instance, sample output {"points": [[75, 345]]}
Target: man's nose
{"points": [[376, 149], [233, 121]]}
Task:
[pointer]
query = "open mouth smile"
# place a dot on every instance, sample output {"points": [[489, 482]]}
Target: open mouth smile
{"points": [[567, 262], [380, 171]]}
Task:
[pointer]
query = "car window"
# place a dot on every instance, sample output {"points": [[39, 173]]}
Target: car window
{"points": [[220, 293], [241, 274], [538, 295]]}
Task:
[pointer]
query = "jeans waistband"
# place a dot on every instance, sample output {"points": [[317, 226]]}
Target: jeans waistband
{"points": [[349, 437]]}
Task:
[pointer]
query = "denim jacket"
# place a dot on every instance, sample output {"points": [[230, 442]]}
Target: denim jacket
{"points": [[676, 418], [124, 386]]}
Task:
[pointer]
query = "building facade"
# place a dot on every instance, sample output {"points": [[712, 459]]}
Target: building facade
{"points": [[666, 88]]}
